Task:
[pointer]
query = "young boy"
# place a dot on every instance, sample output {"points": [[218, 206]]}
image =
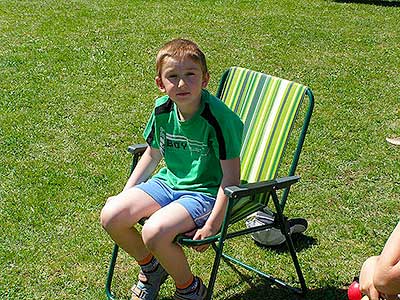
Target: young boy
{"points": [[199, 139]]}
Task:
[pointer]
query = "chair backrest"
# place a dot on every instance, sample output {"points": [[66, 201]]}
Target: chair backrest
{"points": [[268, 107]]}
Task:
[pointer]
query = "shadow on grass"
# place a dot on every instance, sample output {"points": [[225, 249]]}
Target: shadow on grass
{"points": [[267, 292], [300, 242], [372, 2], [262, 289]]}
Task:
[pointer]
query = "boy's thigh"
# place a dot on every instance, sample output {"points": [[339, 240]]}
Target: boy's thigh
{"points": [[198, 205], [132, 205], [171, 220], [181, 210], [188, 211]]}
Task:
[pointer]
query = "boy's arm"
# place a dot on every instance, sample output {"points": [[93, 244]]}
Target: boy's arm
{"points": [[230, 176], [387, 272], [145, 167]]}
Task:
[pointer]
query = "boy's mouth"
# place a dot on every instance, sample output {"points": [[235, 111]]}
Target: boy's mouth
{"points": [[181, 94]]}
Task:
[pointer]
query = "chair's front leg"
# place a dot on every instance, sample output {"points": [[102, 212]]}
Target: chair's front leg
{"points": [[218, 254], [111, 272], [219, 249]]}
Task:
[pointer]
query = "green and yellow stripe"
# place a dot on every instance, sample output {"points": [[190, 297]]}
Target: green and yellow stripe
{"points": [[268, 106]]}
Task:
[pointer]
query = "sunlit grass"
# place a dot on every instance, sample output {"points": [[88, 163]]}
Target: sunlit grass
{"points": [[77, 86]]}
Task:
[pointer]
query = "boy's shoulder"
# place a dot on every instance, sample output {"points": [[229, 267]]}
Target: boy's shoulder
{"points": [[215, 104], [163, 105], [218, 108], [161, 100]]}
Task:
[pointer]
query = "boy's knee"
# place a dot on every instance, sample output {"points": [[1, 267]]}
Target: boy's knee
{"points": [[115, 216], [108, 215], [105, 216], [155, 236]]}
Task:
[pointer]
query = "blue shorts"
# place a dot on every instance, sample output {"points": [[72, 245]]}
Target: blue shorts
{"points": [[198, 205]]}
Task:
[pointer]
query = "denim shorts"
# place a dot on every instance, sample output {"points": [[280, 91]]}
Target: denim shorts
{"points": [[198, 205]]}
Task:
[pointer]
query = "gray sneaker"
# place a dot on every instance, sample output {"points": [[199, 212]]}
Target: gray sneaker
{"points": [[148, 285], [196, 291]]}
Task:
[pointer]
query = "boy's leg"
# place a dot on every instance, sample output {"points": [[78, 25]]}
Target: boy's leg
{"points": [[158, 235], [121, 213]]}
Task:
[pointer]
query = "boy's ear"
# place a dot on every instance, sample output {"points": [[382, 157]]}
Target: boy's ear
{"points": [[206, 79], [160, 84]]}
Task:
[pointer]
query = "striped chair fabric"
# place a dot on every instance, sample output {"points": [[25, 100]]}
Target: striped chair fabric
{"points": [[268, 107]]}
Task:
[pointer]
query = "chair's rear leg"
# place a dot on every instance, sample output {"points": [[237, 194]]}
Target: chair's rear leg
{"points": [[289, 241], [292, 251]]}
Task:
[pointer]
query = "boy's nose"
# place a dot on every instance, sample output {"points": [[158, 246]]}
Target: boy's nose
{"points": [[181, 82]]}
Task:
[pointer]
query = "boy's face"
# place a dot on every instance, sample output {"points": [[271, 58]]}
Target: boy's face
{"points": [[182, 80]]}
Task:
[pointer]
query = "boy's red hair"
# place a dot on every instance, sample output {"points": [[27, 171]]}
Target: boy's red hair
{"points": [[179, 49]]}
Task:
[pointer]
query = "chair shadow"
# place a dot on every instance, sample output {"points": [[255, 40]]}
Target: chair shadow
{"points": [[300, 242], [386, 3], [265, 291]]}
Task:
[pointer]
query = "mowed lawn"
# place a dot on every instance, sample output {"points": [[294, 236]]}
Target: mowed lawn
{"points": [[77, 86]]}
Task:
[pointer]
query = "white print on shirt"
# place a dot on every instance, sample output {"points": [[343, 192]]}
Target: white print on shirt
{"points": [[181, 142]]}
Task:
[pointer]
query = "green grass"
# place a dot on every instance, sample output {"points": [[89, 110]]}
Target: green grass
{"points": [[77, 85]]}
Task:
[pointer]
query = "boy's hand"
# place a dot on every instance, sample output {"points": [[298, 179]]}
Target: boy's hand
{"points": [[231, 176], [366, 278], [203, 233]]}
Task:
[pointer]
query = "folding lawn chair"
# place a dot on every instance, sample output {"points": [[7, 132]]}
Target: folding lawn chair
{"points": [[268, 107]]}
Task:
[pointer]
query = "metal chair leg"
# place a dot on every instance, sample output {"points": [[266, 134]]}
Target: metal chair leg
{"points": [[110, 273]]}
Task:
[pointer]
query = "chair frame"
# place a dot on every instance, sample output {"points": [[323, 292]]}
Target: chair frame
{"points": [[235, 193]]}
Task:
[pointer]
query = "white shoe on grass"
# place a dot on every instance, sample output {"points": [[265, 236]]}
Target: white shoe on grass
{"points": [[393, 141]]}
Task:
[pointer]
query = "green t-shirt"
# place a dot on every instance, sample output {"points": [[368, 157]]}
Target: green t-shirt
{"points": [[192, 149]]}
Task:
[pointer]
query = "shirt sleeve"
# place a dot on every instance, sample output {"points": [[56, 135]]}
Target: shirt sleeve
{"points": [[232, 131], [228, 135], [149, 133]]}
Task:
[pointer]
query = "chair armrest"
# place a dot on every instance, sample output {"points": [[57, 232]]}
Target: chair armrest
{"points": [[188, 241], [137, 149], [248, 189]]}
